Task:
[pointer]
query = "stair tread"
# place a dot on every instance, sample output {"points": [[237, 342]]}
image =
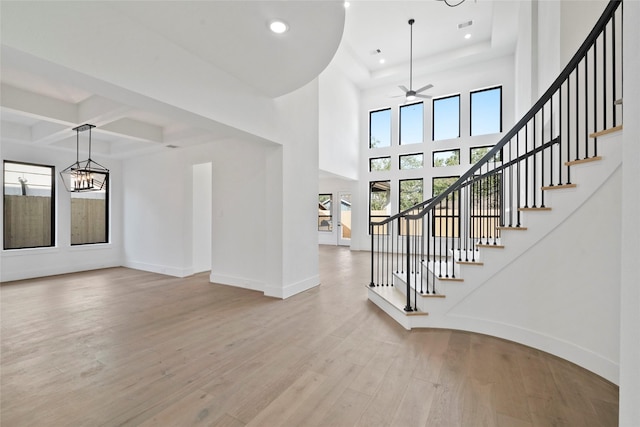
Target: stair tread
{"points": [[558, 187], [581, 161], [605, 131], [396, 299]]}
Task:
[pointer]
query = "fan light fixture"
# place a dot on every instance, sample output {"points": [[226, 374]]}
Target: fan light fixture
{"points": [[86, 175], [411, 94]]}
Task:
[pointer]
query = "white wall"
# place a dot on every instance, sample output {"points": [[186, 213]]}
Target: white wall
{"points": [[495, 72], [630, 251], [201, 214], [339, 128], [63, 258], [565, 289]]}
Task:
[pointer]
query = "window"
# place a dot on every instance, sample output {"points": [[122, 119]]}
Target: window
{"points": [[29, 208], [486, 111], [410, 193], [446, 221], [446, 158], [412, 124], [325, 222], [380, 128], [379, 200], [411, 161], [380, 164], [90, 216], [446, 118], [478, 153]]}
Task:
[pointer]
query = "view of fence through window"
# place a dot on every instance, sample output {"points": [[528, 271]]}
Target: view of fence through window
{"points": [[89, 216], [28, 205]]}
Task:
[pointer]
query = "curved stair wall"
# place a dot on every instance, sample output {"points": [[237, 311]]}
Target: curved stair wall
{"points": [[525, 245]]}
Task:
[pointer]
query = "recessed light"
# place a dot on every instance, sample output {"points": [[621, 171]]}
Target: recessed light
{"points": [[382, 61], [347, 4], [278, 27], [467, 36]]}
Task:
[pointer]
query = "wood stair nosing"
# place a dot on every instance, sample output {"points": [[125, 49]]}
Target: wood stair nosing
{"points": [[559, 187], [513, 228], [605, 131], [581, 161], [478, 263], [546, 208], [484, 245]]}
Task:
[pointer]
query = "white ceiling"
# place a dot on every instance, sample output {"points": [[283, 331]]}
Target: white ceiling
{"points": [[41, 102]]}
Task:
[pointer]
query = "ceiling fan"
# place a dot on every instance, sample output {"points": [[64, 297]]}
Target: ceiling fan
{"points": [[411, 94]]}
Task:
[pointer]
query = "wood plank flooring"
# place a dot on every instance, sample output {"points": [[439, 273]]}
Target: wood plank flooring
{"points": [[124, 347]]}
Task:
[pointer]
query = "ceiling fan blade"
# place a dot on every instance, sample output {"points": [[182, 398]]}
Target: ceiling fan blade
{"points": [[404, 89], [424, 96], [429, 86]]}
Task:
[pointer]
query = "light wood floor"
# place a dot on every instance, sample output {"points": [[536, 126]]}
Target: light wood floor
{"points": [[124, 347]]}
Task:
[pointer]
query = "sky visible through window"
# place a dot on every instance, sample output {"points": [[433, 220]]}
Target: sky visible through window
{"points": [[446, 118], [486, 112], [380, 128], [412, 124]]}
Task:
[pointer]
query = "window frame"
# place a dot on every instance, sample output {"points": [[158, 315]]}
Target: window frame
{"points": [[107, 205], [433, 116], [371, 184], [471, 93], [400, 123], [330, 216], [488, 147], [379, 158], [433, 160], [52, 225], [407, 155], [400, 208], [371, 113]]}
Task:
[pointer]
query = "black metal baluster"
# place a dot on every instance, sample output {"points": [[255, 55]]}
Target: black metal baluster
{"points": [[534, 188], [586, 105], [613, 70], [542, 140], [408, 261], [518, 179], [595, 96], [568, 144], [577, 113], [604, 78]]}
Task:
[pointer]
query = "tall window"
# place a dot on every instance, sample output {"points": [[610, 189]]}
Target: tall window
{"points": [[412, 124], [325, 221], [379, 200], [410, 193], [446, 118], [380, 128], [29, 208], [90, 216], [486, 111], [411, 161]]}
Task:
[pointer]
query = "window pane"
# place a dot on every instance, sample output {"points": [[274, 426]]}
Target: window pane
{"points": [[446, 118], [379, 200], [411, 161], [412, 124], [446, 158], [89, 216], [486, 111], [380, 128], [441, 184], [478, 153], [325, 222], [380, 164], [410, 193], [28, 205]]}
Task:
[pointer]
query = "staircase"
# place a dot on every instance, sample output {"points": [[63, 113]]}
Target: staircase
{"points": [[564, 155]]}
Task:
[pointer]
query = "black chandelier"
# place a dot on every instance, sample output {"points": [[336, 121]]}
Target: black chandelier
{"points": [[85, 175]]}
